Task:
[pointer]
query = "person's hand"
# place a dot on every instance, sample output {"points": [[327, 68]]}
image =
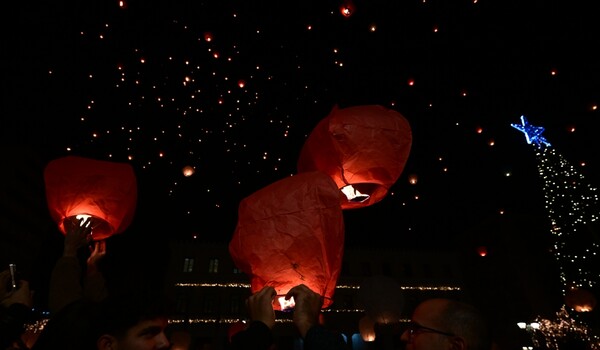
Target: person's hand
{"points": [[307, 308], [78, 234], [97, 253], [21, 294], [260, 306], [5, 284]]}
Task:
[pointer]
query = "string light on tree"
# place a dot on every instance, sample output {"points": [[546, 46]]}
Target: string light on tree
{"points": [[572, 206]]}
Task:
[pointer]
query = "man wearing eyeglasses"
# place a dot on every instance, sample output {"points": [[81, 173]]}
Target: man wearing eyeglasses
{"points": [[445, 324]]}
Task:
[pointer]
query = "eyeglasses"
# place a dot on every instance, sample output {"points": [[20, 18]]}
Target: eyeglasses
{"points": [[414, 328]]}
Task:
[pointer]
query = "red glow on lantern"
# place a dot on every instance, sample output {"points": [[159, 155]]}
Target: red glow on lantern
{"points": [[289, 233], [347, 8], [208, 36], [363, 148], [366, 326], [482, 251], [579, 299], [188, 171], [413, 179], [241, 83], [105, 191]]}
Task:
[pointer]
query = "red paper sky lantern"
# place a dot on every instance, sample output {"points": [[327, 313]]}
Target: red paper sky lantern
{"points": [[106, 191], [366, 327], [347, 8], [482, 250], [291, 232], [364, 149], [580, 299]]}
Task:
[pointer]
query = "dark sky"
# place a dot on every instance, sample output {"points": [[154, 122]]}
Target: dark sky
{"points": [[142, 84]]}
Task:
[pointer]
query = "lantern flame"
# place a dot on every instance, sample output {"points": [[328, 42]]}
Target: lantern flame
{"points": [[285, 305], [354, 195], [85, 218], [90, 221]]}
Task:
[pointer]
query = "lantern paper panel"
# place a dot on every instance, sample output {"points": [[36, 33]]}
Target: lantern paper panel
{"points": [[363, 148], [289, 233], [106, 191]]}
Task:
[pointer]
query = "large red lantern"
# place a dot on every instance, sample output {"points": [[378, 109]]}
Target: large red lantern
{"points": [[105, 191], [363, 148], [291, 232]]}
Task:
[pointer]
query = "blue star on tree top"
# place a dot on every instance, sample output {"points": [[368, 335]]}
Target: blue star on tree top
{"points": [[533, 134]]}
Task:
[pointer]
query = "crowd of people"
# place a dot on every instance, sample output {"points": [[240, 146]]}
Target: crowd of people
{"points": [[85, 315]]}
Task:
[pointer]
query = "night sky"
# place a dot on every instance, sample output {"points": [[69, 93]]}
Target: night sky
{"points": [[233, 88]]}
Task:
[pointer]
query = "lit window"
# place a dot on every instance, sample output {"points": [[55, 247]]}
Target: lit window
{"points": [[213, 265], [188, 264]]}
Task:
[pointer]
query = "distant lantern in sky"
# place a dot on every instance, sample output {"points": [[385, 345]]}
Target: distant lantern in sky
{"points": [[482, 251], [83, 187], [291, 232], [413, 179], [188, 170], [363, 148], [580, 299], [366, 326], [347, 8], [241, 83], [208, 36]]}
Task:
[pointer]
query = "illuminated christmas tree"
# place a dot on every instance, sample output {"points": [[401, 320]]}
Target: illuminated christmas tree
{"points": [[572, 207]]}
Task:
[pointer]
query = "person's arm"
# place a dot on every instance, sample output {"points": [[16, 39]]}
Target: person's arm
{"points": [[258, 334], [65, 279], [306, 318], [15, 310], [94, 285]]}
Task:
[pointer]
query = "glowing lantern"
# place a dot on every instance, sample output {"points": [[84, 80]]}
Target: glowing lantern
{"points": [[366, 327], [291, 232], [241, 83], [482, 251], [382, 299], [188, 171], [363, 148], [413, 179], [580, 300], [208, 36], [347, 8], [106, 191]]}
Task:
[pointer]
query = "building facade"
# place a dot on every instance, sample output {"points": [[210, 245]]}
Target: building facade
{"points": [[210, 293]]}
